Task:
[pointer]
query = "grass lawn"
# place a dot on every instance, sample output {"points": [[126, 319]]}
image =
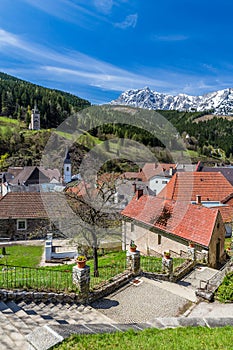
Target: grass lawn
{"points": [[173, 339], [225, 290], [227, 242], [22, 255]]}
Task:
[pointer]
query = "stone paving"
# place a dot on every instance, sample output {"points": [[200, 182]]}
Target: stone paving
{"points": [[143, 301]]}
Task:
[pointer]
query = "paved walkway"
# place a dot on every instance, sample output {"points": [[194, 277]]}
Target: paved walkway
{"points": [[140, 302], [215, 309], [197, 277]]}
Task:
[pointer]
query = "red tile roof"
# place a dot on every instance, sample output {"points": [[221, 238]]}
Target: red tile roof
{"points": [[189, 221], [226, 212], [130, 175], [151, 169], [187, 185], [33, 205]]}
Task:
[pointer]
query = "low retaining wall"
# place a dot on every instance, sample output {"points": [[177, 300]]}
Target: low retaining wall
{"points": [[183, 269], [214, 282], [102, 291], [116, 283], [156, 276]]}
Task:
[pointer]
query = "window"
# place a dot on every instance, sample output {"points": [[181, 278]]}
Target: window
{"points": [[132, 227], [164, 182], [159, 239], [21, 224], [67, 168]]}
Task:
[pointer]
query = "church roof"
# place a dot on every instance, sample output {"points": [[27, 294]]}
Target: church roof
{"points": [[67, 159]]}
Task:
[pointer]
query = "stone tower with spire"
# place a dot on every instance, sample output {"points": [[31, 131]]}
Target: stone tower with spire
{"points": [[67, 168], [35, 119]]}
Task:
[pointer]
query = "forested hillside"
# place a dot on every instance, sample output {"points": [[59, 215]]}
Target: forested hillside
{"points": [[209, 136], [18, 97]]}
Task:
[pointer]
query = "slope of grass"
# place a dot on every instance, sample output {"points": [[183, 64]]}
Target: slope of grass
{"points": [[175, 339]]}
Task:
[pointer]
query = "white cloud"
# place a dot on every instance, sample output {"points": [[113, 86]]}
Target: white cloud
{"points": [[130, 21], [70, 11], [75, 69], [104, 6], [169, 38], [104, 76]]}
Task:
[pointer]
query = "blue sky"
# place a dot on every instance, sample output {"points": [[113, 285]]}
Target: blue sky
{"points": [[98, 48]]}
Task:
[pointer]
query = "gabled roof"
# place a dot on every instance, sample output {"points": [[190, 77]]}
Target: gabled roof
{"points": [[226, 171], [226, 212], [189, 221], [27, 172], [185, 186], [34, 205], [152, 169], [22, 205]]}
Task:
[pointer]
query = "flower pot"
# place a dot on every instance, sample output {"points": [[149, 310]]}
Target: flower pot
{"points": [[133, 249], [81, 264], [167, 255]]}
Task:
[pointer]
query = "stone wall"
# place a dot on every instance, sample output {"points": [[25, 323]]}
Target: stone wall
{"points": [[36, 228]]}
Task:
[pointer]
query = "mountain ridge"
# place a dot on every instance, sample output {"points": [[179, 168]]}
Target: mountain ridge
{"points": [[219, 102]]}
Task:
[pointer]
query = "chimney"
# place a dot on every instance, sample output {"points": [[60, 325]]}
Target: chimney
{"points": [[170, 171], [198, 199], [139, 192], [134, 187]]}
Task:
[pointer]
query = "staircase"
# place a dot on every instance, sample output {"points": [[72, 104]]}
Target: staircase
{"points": [[20, 321]]}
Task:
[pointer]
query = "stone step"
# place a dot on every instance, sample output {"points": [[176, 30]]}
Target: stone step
{"points": [[64, 313], [47, 336], [11, 338], [12, 312]]}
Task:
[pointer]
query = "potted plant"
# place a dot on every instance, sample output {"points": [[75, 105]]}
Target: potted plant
{"points": [[191, 244], [167, 254], [81, 261], [132, 246]]}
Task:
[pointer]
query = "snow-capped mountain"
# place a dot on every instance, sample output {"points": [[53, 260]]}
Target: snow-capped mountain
{"points": [[218, 102]]}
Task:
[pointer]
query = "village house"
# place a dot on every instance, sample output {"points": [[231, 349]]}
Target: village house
{"points": [[30, 179], [157, 225], [212, 190], [31, 214], [156, 175]]}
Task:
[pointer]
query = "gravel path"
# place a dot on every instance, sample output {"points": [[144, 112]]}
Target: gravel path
{"points": [[141, 303]]}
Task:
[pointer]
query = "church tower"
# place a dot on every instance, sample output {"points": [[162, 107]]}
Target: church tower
{"points": [[35, 119], [67, 168]]}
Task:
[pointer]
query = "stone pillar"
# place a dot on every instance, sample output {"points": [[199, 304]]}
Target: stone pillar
{"points": [[133, 261], [48, 250], [168, 266], [81, 277], [191, 253]]}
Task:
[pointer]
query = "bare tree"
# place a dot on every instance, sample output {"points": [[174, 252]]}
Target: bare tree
{"points": [[97, 210]]}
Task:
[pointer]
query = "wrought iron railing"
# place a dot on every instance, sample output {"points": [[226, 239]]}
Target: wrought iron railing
{"points": [[106, 273], [39, 279]]}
